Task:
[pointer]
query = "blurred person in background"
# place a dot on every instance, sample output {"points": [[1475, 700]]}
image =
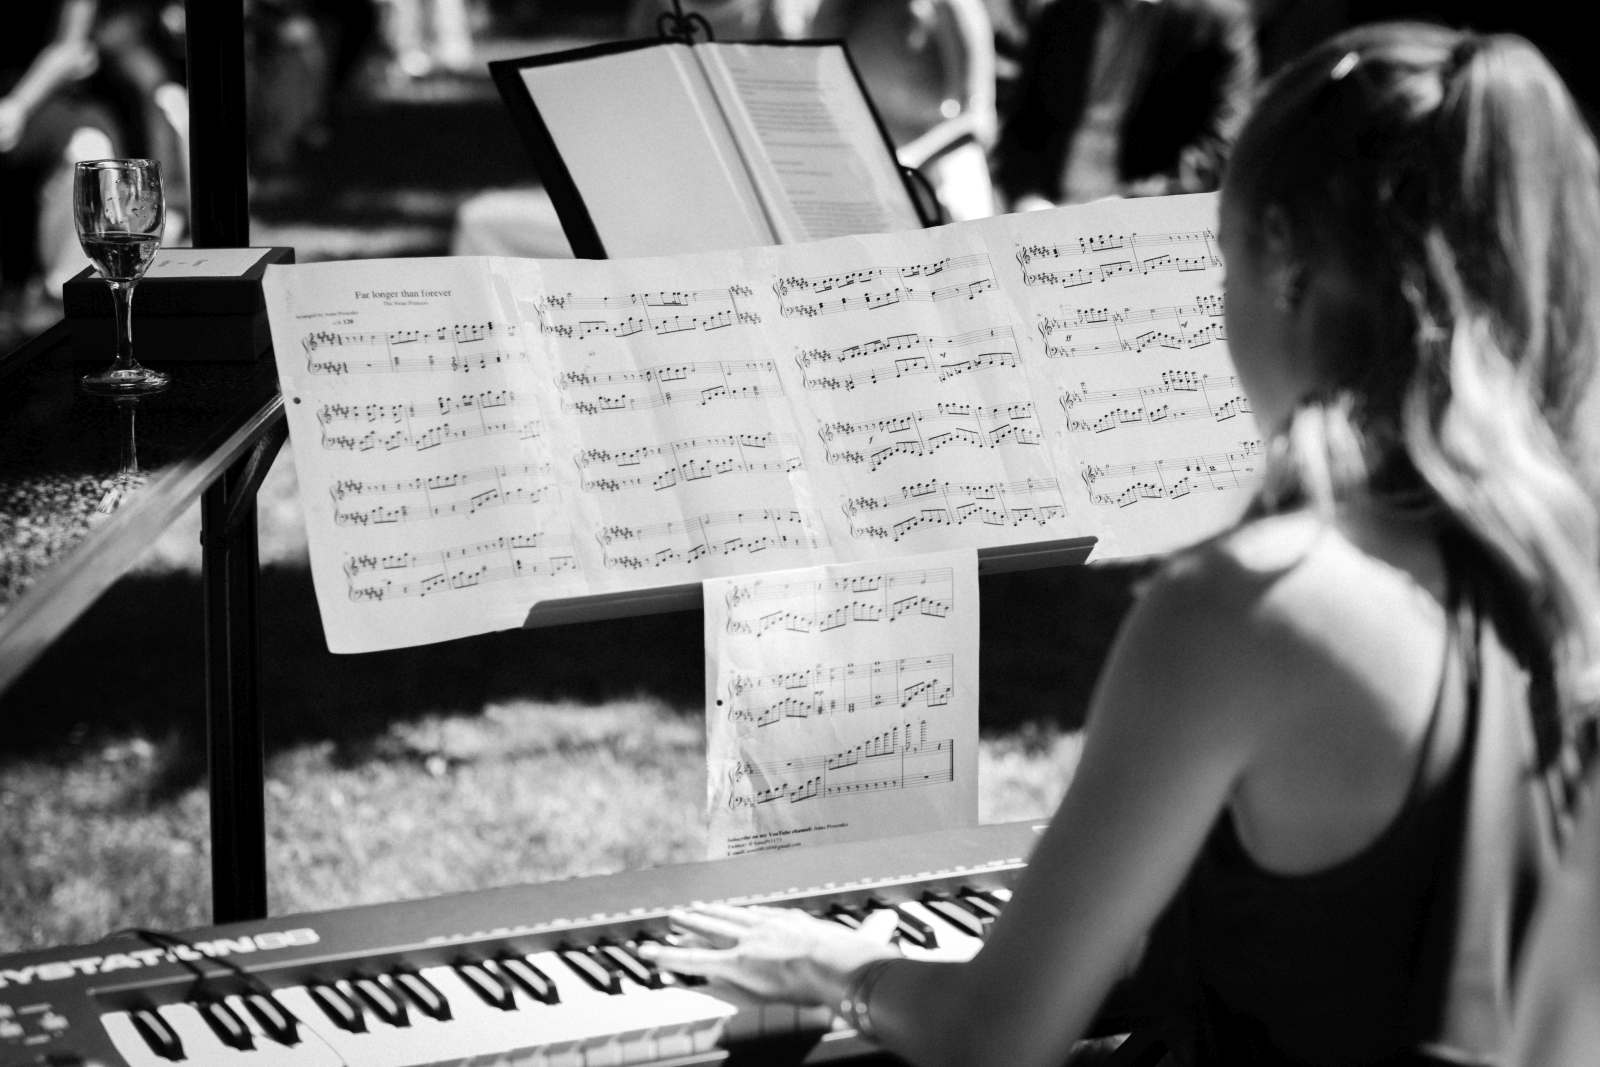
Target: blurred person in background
{"points": [[48, 121], [1125, 98], [929, 67], [305, 57], [429, 35], [141, 47]]}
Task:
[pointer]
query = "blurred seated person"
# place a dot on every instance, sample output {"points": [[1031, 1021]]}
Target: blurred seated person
{"points": [[47, 123], [929, 68], [1125, 98], [140, 45]]}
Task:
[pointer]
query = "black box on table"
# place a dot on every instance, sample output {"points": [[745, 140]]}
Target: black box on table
{"points": [[193, 305]]}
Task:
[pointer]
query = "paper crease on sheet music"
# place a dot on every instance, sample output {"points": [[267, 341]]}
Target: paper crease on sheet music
{"points": [[842, 702]]}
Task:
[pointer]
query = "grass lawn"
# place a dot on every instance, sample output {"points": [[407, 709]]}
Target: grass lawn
{"points": [[503, 759]]}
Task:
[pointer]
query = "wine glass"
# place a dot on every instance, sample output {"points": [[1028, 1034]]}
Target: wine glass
{"points": [[119, 211]]}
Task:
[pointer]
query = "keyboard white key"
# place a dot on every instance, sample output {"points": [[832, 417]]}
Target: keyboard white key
{"points": [[201, 1046], [953, 944], [586, 1029], [130, 1043]]}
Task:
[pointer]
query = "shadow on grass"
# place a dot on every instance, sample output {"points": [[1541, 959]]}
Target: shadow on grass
{"points": [[133, 666]]}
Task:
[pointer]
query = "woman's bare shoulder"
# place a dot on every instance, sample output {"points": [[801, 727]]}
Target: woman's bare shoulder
{"points": [[1280, 600]]}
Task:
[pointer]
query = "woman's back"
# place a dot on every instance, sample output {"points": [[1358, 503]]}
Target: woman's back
{"points": [[1350, 619], [1319, 912]]}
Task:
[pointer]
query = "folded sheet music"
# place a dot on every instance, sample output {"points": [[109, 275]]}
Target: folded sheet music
{"points": [[842, 703], [475, 435], [647, 146]]}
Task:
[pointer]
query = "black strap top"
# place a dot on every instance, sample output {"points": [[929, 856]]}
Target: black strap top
{"points": [[1357, 963]]}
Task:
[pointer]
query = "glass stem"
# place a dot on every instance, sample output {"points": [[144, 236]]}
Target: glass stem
{"points": [[122, 308]]}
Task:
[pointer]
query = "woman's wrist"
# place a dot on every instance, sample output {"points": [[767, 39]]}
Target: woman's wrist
{"points": [[855, 1006]]}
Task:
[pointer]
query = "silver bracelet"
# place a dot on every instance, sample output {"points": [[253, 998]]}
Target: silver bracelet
{"points": [[855, 1008]]}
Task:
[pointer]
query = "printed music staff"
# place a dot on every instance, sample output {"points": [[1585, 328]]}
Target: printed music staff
{"points": [[842, 702], [1175, 395], [813, 605]]}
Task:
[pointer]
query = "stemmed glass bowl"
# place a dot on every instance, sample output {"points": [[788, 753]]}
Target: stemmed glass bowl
{"points": [[119, 210]]}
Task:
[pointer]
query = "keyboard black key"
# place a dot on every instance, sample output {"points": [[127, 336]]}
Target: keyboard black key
{"points": [[530, 979], [590, 969], [379, 999], [423, 993], [156, 1033], [274, 1020], [621, 959], [844, 916], [229, 1028], [982, 901], [952, 912], [340, 1009], [489, 985], [910, 928]]}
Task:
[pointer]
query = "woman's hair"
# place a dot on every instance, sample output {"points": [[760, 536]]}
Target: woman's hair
{"points": [[1454, 173]]}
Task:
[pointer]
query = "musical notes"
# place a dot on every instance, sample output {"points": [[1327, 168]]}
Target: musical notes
{"points": [[913, 353], [661, 421], [1132, 255], [900, 285], [1034, 502], [922, 433], [672, 463], [571, 317], [1217, 398], [1170, 479], [764, 700], [817, 605], [423, 574], [1112, 339], [427, 424], [414, 499], [898, 758], [595, 393], [461, 348], [817, 674], [697, 537]]}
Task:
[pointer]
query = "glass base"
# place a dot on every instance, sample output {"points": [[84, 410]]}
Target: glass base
{"points": [[125, 381]]}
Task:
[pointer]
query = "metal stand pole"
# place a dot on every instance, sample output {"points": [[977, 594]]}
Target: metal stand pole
{"points": [[218, 156], [234, 727]]}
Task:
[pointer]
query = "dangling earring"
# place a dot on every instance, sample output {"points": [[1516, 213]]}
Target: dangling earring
{"points": [[1292, 288]]}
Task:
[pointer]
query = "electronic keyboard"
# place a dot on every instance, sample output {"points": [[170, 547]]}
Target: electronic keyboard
{"points": [[541, 974]]}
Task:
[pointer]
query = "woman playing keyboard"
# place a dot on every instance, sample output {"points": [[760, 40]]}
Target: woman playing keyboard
{"points": [[1330, 744]]}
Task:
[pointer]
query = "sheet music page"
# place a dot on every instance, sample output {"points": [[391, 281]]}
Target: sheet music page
{"points": [[842, 702], [649, 151], [674, 419], [809, 139], [907, 363], [432, 506], [476, 435], [1128, 352]]}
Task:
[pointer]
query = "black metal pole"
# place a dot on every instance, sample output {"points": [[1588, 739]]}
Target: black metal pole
{"points": [[218, 157], [220, 205], [234, 727]]}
